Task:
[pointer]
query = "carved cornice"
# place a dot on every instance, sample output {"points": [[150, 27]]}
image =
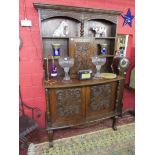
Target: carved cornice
{"points": [[73, 8]]}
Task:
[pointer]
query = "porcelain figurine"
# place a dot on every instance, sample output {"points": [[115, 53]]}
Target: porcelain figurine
{"points": [[100, 31], [62, 30]]}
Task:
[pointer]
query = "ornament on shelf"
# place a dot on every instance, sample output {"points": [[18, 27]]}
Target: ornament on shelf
{"points": [[128, 18], [103, 49], [56, 51], [100, 31], [66, 63], [53, 69], [62, 30]]}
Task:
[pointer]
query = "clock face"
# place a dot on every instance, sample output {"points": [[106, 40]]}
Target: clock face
{"points": [[124, 63]]}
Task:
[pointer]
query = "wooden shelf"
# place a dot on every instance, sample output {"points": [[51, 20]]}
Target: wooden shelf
{"points": [[58, 83], [105, 37], [50, 37], [106, 55], [103, 56]]}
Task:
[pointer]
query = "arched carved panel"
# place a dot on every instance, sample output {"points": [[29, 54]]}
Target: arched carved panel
{"points": [[109, 26], [49, 25], [48, 13], [109, 18]]}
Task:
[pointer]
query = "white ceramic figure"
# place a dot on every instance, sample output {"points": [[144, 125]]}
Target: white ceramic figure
{"points": [[62, 30], [100, 31]]}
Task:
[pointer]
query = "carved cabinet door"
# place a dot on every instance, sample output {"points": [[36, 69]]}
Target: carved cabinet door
{"points": [[67, 105], [100, 100]]}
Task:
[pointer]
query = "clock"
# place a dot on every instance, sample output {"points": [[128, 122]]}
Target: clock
{"points": [[85, 74], [124, 63]]}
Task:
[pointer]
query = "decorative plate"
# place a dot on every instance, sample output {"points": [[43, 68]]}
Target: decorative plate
{"points": [[108, 75]]}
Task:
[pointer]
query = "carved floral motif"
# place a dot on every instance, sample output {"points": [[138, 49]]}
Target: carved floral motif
{"points": [[82, 57], [68, 101], [100, 97]]}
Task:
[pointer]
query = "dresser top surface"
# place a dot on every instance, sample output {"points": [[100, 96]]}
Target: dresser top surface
{"points": [[59, 83]]}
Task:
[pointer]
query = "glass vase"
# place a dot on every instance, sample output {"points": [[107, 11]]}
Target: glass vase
{"points": [[56, 50], [103, 49], [98, 62], [66, 63]]}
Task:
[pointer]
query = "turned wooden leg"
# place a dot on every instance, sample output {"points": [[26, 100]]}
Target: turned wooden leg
{"points": [[50, 136], [114, 123]]}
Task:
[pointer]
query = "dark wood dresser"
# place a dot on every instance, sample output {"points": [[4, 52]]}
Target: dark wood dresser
{"points": [[79, 102]]}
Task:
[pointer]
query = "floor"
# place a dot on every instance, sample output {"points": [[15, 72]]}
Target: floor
{"points": [[127, 117]]}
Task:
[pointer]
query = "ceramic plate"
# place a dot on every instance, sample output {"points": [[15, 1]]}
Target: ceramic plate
{"points": [[108, 75]]}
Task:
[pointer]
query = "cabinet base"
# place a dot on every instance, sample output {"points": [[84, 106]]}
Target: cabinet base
{"points": [[51, 131]]}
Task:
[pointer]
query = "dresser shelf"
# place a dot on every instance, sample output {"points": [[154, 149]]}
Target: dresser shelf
{"points": [[59, 83]]}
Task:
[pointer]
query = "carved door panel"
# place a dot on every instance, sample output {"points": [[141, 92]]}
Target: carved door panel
{"points": [[82, 49], [100, 99], [67, 105]]}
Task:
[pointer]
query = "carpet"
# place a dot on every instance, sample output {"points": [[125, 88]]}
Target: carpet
{"points": [[101, 142]]}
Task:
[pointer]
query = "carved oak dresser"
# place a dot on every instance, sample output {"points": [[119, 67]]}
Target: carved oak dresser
{"points": [[79, 101]]}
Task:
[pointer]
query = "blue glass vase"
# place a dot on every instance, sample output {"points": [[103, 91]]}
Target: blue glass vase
{"points": [[103, 49], [56, 51]]}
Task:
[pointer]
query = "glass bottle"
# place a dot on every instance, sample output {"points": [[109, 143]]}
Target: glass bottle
{"points": [[53, 68]]}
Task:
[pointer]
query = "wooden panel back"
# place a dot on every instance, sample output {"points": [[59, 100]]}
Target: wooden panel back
{"points": [[82, 49]]}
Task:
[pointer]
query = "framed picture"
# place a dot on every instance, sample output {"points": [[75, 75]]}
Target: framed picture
{"points": [[122, 42]]}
